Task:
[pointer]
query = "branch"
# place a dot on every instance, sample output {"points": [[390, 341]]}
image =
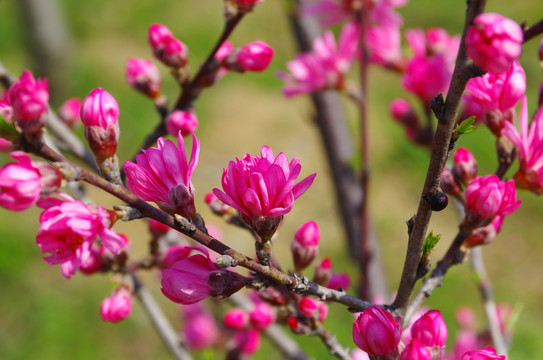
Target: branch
{"points": [[446, 115], [533, 31], [332, 344]]}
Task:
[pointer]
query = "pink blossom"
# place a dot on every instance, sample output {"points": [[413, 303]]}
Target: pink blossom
{"points": [[20, 183], [29, 99], [307, 307], [163, 175], [406, 332], [157, 228], [466, 340], [176, 253], [306, 244], [262, 316], [493, 42], [248, 2], [166, 48], [68, 228], [255, 56], [339, 281], [465, 166], [70, 111], [488, 197], [195, 278], [486, 353], [94, 263], [430, 330], [181, 121], [323, 272], [6, 111], [100, 116], [358, 354], [415, 351], [248, 341], [484, 235], [118, 306], [200, 330], [529, 144], [326, 66], [143, 76], [465, 317], [263, 188], [384, 45], [376, 331], [236, 319]]}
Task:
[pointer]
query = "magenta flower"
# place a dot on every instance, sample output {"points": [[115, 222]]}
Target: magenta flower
{"points": [[486, 353], [20, 183], [118, 306], [488, 197], [263, 188], [430, 330], [143, 76], [163, 175], [384, 45], [183, 121], [307, 307], [326, 66], [415, 351], [262, 316], [166, 47], [70, 112], [255, 56], [306, 244], [376, 331], [493, 42], [236, 319], [29, 99], [100, 116], [529, 145], [68, 228], [195, 278]]}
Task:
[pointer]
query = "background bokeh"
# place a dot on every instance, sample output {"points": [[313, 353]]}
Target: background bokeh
{"points": [[45, 316]]}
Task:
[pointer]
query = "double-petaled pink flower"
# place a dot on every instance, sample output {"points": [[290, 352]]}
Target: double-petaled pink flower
{"points": [[143, 76], [29, 99], [376, 331], [486, 353], [163, 175], [493, 42], [263, 188], [326, 66], [529, 143], [68, 229], [20, 183], [118, 306]]}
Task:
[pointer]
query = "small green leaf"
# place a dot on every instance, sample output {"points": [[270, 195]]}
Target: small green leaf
{"points": [[7, 129], [465, 126], [430, 242]]}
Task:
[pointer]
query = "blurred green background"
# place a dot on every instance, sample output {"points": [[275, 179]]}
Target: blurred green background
{"points": [[45, 316]]}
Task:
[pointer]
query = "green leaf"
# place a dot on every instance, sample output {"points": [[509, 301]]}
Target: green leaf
{"points": [[7, 129], [430, 242], [465, 126]]}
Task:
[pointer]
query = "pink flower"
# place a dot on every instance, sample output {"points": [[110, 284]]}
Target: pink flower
{"points": [[248, 341], [157, 228], [70, 111], [94, 263], [195, 278], [307, 307], [465, 341], [263, 188], [29, 98], [376, 331], [358, 354], [465, 166], [306, 244], [488, 197], [529, 144], [163, 175], [200, 330], [415, 351], [6, 111], [100, 115], [339, 281], [255, 56], [248, 2], [262, 316], [143, 76], [166, 47], [430, 329], [384, 45], [236, 319], [326, 66], [484, 235], [118, 306], [20, 183], [493, 42], [176, 253], [183, 121], [68, 228], [323, 272], [486, 353]]}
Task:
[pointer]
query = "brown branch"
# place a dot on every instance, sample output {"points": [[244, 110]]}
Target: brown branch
{"points": [[332, 344], [533, 31], [446, 115]]}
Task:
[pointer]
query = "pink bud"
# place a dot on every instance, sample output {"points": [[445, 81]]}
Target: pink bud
{"points": [[20, 183], [307, 307], [466, 340], [29, 98], [70, 111], [323, 272], [143, 76], [158, 34], [486, 353], [339, 281], [448, 183], [118, 306], [6, 111], [236, 319], [100, 115], [484, 235], [465, 166], [224, 50], [376, 332], [183, 121], [430, 329], [358, 354], [493, 42], [306, 244], [255, 56], [200, 330], [262, 316], [465, 317], [248, 2], [248, 341], [415, 351], [403, 112], [174, 254], [157, 228], [166, 47]]}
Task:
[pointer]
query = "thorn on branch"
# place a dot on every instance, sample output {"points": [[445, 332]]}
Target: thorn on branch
{"points": [[185, 224]]}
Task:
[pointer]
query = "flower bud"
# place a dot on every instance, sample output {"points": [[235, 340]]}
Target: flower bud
{"points": [[484, 235], [430, 329], [247, 342], [486, 353], [200, 330], [255, 56], [174, 254], [262, 316], [70, 111], [6, 111], [157, 228], [465, 166], [339, 281], [415, 351], [448, 183], [100, 115], [403, 112], [143, 76], [465, 317], [305, 245], [236, 319], [29, 99], [323, 272], [118, 306], [20, 183], [308, 307], [183, 121], [376, 332], [166, 47]]}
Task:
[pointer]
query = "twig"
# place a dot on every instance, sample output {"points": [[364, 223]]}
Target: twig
{"points": [[159, 320], [485, 288], [533, 31], [332, 344], [446, 115]]}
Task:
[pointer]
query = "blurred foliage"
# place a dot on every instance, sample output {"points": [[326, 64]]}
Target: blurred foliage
{"points": [[45, 316]]}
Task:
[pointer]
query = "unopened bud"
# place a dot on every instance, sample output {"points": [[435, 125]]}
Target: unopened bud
{"points": [[70, 111], [183, 121], [448, 183], [255, 56], [403, 112], [166, 47], [465, 166], [236, 319], [305, 245], [29, 99], [143, 76], [262, 316], [323, 272]]}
